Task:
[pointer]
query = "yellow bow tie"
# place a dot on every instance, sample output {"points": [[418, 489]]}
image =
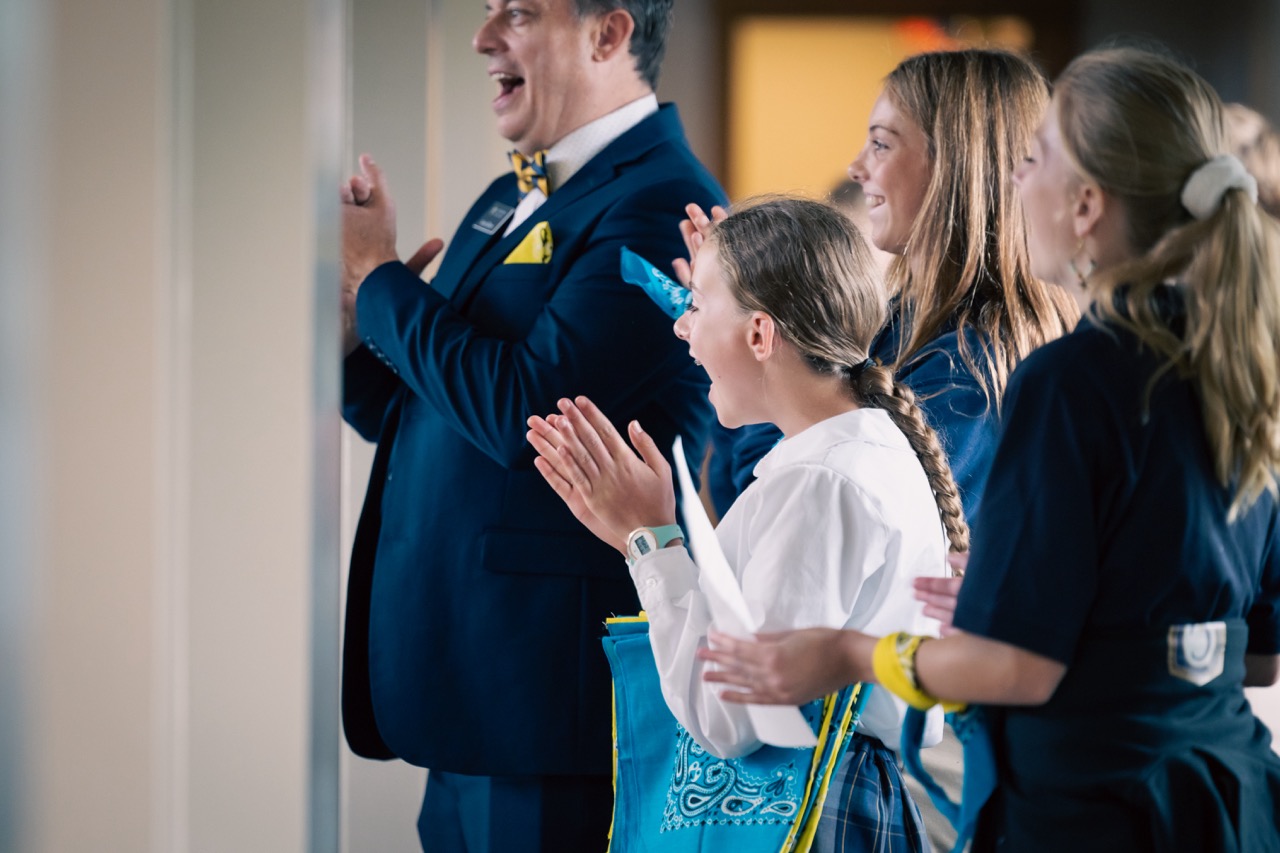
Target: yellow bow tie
{"points": [[531, 172]]}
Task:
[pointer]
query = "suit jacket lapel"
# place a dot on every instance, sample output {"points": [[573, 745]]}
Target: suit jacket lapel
{"points": [[628, 147], [469, 243], [482, 256]]}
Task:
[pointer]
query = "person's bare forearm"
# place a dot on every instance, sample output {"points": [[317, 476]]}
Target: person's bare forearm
{"points": [[968, 668], [792, 667]]}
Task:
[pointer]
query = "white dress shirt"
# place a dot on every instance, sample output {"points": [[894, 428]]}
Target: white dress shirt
{"points": [[831, 534], [575, 150]]}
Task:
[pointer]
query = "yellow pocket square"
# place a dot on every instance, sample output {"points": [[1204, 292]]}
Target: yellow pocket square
{"points": [[535, 248]]}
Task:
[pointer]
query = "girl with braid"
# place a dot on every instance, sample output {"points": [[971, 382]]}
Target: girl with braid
{"points": [[851, 506]]}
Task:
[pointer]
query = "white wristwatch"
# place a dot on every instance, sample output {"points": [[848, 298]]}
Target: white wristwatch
{"points": [[646, 540]]}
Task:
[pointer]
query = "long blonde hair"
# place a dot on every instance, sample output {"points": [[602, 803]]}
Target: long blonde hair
{"points": [[1252, 138], [1139, 124], [806, 265], [966, 258]]}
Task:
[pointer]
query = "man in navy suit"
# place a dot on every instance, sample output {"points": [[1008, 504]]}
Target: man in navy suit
{"points": [[476, 601]]}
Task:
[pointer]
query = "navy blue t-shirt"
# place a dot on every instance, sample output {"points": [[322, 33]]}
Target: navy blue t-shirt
{"points": [[1102, 510]]}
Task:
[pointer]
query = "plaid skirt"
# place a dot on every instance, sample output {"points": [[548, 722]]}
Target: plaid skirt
{"points": [[868, 809]]}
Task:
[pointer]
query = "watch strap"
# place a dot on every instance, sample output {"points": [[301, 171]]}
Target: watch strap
{"points": [[666, 533], [662, 535]]}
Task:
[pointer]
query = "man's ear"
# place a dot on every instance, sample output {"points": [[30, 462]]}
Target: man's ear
{"points": [[1087, 208], [762, 335], [612, 33]]}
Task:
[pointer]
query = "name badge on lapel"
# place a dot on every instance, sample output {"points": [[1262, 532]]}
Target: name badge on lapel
{"points": [[493, 218], [535, 248], [1197, 651]]}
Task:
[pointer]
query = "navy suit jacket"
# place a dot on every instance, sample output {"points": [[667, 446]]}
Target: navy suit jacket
{"points": [[476, 601]]}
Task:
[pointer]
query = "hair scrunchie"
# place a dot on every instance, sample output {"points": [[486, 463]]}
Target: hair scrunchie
{"points": [[1203, 191], [859, 369]]}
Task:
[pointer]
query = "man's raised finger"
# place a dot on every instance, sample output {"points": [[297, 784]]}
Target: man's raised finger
{"points": [[372, 172]]}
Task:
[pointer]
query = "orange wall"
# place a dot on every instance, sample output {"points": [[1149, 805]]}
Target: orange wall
{"points": [[800, 91]]}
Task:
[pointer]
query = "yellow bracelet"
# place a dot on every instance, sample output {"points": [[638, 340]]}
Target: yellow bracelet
{"points": [[894, 662], [894, 665]]}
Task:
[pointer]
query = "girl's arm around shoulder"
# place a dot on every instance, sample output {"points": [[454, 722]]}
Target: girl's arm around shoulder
{"points": [[972, 669], [791, 667]]}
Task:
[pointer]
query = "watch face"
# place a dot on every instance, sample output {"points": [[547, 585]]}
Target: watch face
{"points": [[642, 542]]}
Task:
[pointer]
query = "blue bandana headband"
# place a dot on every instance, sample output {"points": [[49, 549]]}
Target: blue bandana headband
{"points": [[669, 296]]}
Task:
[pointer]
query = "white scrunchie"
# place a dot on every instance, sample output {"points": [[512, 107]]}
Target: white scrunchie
{"points": [[1204, 190]]}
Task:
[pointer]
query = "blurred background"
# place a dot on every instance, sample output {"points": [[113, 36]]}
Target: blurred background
{"points": [[177, 493]]}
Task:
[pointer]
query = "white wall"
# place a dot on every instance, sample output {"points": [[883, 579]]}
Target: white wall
{"points": [[177, 260], [258, 158], [98, 364]]}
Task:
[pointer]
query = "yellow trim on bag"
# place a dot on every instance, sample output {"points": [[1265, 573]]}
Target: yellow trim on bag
{"points": [[613, 710], [640, 617], [810, 832], [800, 838]]}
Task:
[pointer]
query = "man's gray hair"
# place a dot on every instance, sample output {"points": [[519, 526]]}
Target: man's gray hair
{"points": [[649, 41]]}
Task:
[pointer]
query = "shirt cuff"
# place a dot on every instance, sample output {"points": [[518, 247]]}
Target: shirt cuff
{"points": [[665, 575]]}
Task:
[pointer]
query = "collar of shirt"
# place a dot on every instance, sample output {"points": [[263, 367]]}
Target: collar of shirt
{"points": [[873, 426], [570, 154], [575, 150]]}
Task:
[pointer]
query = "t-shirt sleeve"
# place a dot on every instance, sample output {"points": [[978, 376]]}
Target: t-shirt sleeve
{"points": [[1033, 573], [1264, 617]]}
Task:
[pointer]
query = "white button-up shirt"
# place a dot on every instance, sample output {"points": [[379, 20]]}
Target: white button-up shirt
{"points": [[839, 521]]}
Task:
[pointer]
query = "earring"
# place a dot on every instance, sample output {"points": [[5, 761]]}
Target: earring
{"points": [[1081, 277]]}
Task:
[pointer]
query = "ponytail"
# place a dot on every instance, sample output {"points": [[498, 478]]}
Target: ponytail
{"points": [[1150, 132], [1233, 345], [1229, 264]]}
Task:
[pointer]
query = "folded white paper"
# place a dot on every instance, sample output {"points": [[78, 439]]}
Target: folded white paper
{"points": [[779, 725]]}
